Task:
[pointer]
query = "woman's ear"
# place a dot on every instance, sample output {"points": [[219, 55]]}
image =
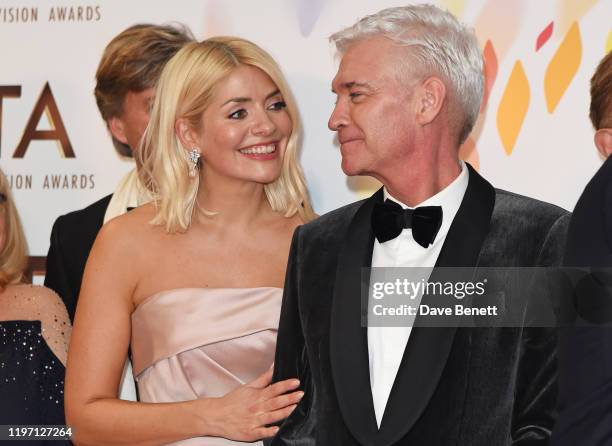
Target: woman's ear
{"points": [[185, 133]]}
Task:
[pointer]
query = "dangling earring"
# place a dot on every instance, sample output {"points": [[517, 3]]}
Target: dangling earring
{"points": [[194, 161]]}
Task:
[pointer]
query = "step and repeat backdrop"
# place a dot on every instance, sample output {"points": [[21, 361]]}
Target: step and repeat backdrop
{"points": [[533, 135]]}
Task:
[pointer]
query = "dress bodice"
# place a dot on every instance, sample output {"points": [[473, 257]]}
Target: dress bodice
{"points": [[191, 343], [31, 377]]}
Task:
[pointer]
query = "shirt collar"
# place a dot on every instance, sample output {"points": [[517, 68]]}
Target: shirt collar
{"points": [[449, 199]]}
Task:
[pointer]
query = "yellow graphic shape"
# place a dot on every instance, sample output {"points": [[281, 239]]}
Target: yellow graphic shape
{"points": [[563, 67], [513, 107], [455, 7], [571, 11], [609, 42]]}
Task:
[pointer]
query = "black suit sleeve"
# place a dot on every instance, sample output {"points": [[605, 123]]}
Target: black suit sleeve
{"points": [[56, 276], [291, 360], [534, 411]]}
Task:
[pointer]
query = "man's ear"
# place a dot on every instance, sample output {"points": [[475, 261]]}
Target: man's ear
{"points": [[430, 98], [185, 134], [603, 141], [117, 129]]}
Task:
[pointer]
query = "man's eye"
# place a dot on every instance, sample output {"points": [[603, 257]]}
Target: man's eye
{"points": [[238, 114], [278, 105], [355, 95]]}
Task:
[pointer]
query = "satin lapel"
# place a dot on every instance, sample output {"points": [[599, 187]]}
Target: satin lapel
{"points": [[428, 348], [348, 339]]}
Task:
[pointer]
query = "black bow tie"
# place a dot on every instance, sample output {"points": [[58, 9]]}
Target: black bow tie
{"points": [[388, 220]]}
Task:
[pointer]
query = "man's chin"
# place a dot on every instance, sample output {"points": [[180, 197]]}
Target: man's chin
{"points": [[350, 169]]}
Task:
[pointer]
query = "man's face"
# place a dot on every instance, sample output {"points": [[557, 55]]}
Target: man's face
{"points": [[130, 126], [374, 112]]}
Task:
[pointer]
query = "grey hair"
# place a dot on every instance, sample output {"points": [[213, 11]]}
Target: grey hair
{"points": [[439, 44]]}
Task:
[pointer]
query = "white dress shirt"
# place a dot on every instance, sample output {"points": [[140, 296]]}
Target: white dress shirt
{"points": [[386, 344]]}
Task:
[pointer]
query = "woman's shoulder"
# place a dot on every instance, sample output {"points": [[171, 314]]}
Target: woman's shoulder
{"points": [[297, 220], [31, 302], [130, 228], [38, 303]]}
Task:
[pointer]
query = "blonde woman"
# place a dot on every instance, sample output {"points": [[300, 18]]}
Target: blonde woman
{"points": [[34, 332], [193, 281]]}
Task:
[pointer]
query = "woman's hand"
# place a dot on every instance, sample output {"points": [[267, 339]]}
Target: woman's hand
{"points": [[244, 413]]}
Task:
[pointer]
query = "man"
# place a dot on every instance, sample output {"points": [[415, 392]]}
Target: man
{"points": [[409, 88], [130, 67], [585, 353]]}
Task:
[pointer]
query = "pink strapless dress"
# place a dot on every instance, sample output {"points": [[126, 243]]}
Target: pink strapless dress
{"points": [[203, 342]]}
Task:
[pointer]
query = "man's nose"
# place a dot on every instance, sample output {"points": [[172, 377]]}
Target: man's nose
{"points": [[339, 117]]}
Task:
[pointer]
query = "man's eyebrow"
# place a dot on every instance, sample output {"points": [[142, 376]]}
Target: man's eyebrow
{"points": [[245, 99], [352, 84]]}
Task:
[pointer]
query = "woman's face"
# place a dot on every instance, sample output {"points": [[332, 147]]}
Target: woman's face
{"points": [[244, 131]]}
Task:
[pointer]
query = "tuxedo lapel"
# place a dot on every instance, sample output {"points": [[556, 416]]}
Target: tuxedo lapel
{"points": [[348, 339], [427, 350]]}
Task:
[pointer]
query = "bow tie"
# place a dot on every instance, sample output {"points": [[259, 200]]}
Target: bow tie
{"points": [[388, 220]]}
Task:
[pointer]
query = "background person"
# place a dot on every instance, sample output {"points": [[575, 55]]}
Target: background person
{"points": [[128, 71], [585, 353], [34, 333], [125, 81]]}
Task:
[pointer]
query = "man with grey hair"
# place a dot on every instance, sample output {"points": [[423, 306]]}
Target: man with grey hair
{"points": [[409, 87]]}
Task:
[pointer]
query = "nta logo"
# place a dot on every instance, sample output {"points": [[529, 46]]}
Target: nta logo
{"points": [[45, 103]]}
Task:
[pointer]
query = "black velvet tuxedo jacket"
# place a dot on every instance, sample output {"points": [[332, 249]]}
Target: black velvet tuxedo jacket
{"points": [[455, 386], [585, 353], [72, 237]]}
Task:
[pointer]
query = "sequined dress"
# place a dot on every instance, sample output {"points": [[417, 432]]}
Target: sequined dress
{"points": [[31, 377]]}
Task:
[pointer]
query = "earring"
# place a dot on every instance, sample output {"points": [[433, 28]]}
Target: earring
{"points": [[193, 156]]}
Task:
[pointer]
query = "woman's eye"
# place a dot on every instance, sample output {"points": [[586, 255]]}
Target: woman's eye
{"points": [[278, 105], [238, 114]]}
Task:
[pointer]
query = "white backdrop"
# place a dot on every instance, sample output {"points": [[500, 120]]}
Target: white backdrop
{"points": [[552, 157]]}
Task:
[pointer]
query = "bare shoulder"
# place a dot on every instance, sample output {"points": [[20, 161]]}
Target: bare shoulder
{"points": [[287, 225], [127, 233], [130, 224], [38, 303], [32, 302]]}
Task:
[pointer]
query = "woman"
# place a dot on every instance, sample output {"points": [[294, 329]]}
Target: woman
{"points": [[34, 333], [193, 280]]}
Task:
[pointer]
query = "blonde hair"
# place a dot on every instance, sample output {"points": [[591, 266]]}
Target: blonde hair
{"points": [[14, 250], [185, 89]]}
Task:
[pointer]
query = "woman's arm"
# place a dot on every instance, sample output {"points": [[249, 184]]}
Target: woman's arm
{"points": [[98, 349]]}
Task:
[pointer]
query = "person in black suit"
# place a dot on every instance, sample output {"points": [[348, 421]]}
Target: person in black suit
{"points": [[125, 81], [585, 352], [409, 89]]}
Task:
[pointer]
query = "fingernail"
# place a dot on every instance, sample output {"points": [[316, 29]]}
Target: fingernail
{"points": [[296, 382], [300, 395]]}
